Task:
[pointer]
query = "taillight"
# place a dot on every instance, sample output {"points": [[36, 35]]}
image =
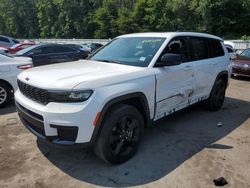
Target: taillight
{"points": [[24, 67]]}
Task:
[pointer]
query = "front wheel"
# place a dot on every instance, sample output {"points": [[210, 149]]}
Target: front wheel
{"points": [[5, 94], [121, 134], [217, 96]]}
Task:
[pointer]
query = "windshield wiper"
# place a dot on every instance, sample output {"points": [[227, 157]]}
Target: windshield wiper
{"points": [[108, 61]]}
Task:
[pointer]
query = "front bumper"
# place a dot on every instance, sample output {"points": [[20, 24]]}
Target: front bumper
{"points": [[241, 71], [57, 123]]}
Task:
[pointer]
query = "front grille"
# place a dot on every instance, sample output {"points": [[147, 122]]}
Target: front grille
{"points": [[33, 93]]}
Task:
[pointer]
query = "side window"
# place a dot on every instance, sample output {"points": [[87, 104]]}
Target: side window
{"points": [[36, 51], [50, 50], [198, 48], [179, 46], [63, 49], [215, 48], [3, 39], [43, 50]]}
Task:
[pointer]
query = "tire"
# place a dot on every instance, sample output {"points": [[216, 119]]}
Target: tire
{"points": [[5, 94], [217, 96], [121, 134]]}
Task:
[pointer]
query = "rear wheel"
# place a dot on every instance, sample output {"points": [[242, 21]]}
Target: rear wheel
{"points": [[121, 134], [217, 96], [5, 94]]}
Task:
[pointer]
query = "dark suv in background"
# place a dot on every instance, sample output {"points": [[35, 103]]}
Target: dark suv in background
{"points": [[45, 54]]}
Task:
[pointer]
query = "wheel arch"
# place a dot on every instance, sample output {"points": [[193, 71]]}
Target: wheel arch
{"points": [[137, 99], [7, 83], [224, 76], [221, 75]]}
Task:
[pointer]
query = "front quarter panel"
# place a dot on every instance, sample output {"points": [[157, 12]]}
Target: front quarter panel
{"points": [[144, 84]]}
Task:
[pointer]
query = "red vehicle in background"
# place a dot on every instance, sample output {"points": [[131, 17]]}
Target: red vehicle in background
{"points": [[241, 64], [20, 46]]}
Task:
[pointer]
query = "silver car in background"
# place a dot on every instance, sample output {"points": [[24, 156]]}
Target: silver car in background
{"points": [[7, 42]]}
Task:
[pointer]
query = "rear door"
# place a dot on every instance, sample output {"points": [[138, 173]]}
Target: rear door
{"points": [[204, 53], [65, 53], [41, 55], [174, 83]]}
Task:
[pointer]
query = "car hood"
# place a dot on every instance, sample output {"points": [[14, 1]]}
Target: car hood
{"points": [[242, 61], [90, 74]]}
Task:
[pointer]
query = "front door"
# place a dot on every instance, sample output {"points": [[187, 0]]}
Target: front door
{"points": [[174, 83]]}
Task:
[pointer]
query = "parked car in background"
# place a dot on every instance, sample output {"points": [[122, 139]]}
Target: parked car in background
{"points": [[7, 42], [93, 46], [229, 44], [10, 67], [245, 53], [231, 51], [45, 54], [20, 46], [241, 64]]}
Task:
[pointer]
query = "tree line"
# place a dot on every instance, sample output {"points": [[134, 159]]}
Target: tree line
{"points": [[229, 19]]}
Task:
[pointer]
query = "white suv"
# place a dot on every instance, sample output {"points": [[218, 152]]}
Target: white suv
{"points": [[136, 79], [10, 67]]}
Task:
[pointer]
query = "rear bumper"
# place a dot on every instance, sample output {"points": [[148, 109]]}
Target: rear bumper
{"points": [[66, 136]]}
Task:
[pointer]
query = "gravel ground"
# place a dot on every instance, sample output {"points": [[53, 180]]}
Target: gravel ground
{"points": [[187, 149]]}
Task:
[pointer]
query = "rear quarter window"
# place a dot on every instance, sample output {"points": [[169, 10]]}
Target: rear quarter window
{"points": [[215, 48]]}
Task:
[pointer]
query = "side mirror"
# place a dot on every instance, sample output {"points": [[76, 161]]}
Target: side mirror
{"points": [[169, 59]]}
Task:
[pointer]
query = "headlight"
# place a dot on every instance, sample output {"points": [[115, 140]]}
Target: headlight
{"points": [[70, 96]]}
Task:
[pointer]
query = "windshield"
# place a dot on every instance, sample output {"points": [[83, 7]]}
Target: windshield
{"points": [[245, 53], [25, 50], [134, 51]]}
